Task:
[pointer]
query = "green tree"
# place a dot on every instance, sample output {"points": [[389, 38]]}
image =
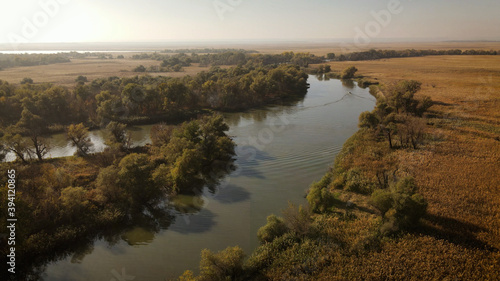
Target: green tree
{"points": [[27, 80], [319, 197], [134, 173], [117, 134], [330, 56], [224, 265], [81, 79], [140, 68], [275, 227], [400, 205], [79, 137], [34, 125], [17, 144], [348, 73]]}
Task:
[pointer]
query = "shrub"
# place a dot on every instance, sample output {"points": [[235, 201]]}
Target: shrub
{"points": [[274, 228], [320, 198], [298, 220], [400, 206], [348, 73], [27, 80], [224, 265]]}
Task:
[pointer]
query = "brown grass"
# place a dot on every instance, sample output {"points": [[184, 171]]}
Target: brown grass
{"points": [[458, 170], [66, 73]]}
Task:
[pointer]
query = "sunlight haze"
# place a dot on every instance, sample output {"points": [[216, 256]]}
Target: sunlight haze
{"points": [[41, 21]]}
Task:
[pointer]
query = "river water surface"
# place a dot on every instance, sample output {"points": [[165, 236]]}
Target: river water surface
{"points": [[281, 151]]}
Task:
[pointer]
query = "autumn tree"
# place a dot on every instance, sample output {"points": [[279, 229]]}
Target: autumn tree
{"points": [[3, 152], [224, 265], [79, 137], [33, 125], [348, 73], [18, 145], [117, 134]]}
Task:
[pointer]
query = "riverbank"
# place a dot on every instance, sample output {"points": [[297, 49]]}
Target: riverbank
{"points": [[455, 169]]}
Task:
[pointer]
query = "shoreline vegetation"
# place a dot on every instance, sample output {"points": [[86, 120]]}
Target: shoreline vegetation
{"points": [[410, 196], [69, 199], [369, 217]]}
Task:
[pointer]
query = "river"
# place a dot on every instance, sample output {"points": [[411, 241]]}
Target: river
{"points": [[281, 151]]}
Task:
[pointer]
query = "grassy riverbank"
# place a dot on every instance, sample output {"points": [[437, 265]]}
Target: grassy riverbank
{"points": [[346, 235]]}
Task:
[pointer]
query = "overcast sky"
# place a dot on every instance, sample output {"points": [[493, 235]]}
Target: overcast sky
{"points": [[192, 20]]}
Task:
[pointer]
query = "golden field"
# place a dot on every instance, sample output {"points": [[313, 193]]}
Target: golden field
{"points": [[457, 171], [93, 68]]}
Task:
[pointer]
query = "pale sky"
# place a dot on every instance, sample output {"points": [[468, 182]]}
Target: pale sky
{"points": [[192, 20]]}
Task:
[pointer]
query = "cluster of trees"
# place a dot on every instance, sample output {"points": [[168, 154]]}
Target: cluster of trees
{"points": [[13, 60], [397, 115], [67, 199], [147, 98], [233, 57]]}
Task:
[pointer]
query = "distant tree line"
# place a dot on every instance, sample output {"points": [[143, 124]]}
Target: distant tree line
{"points": [[14, 60], [208, 51], [385, 54]]}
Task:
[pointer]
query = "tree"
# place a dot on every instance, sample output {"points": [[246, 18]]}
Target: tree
{"points": [[79, 137], [348, 73], [34, 125], [134, 174], [18, 145], [320, 199], [140, 68], [224, 265], [117, 134], [400, 205], [161, 134], [3, 152], [330, 56], [81, 79], [27, 80], [274, 228]]}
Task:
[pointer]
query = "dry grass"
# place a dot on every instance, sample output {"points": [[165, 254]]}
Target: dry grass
{"points": [[66, 73], [322, 49], [458, 171]]}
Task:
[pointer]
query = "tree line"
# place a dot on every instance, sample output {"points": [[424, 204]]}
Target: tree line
{"points": [[36, 109], [385, 54], [14, 60]]}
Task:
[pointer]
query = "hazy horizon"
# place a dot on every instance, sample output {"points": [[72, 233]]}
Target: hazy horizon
{"points": [[167, 21]]}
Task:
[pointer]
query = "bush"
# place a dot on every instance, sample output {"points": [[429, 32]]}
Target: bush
{"points": [[27, 80], [140, 68], [274, 228], [348, 73], [400, 206], [81, 79], [298, 220], [320, 198], [225, 265]]}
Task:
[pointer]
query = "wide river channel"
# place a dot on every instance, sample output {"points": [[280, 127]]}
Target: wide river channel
{"points": [[281, 151]]}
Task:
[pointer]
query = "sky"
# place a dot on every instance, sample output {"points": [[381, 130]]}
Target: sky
{"points": [[36, 21]]}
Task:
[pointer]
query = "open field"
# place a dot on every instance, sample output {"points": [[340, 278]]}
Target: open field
{"points": [[66, 73], [458, 170], [321, 49]]}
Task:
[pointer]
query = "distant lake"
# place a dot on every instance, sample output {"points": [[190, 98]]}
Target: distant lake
{"points": [[281, 151]]}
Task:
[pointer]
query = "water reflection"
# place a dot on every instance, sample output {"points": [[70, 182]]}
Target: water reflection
{"points": [[228, 210]]}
